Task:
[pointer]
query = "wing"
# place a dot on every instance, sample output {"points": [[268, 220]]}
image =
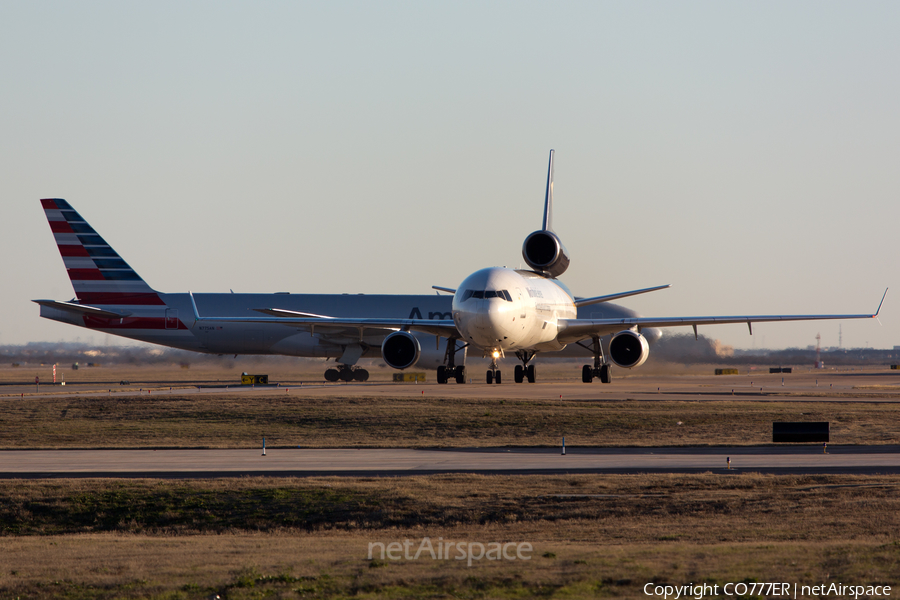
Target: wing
{"points": [[573, 330], [313, 322]]}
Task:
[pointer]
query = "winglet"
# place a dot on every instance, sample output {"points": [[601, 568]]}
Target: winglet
{"points": [[194, 305], [548, 197], [875, 316]]}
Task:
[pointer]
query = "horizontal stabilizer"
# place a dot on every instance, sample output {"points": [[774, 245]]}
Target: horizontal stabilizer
{"points": [[598, 299], [83, 309]]}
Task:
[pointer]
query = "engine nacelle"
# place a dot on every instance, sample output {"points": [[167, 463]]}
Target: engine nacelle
{"points": [[628, 349], [544, 252], [400, 350]]}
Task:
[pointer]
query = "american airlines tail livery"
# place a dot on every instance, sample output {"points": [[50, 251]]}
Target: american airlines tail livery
{"points": [[493, 311]]}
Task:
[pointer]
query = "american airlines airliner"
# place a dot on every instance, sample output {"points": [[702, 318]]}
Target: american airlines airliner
{"points": [[494, 311]]}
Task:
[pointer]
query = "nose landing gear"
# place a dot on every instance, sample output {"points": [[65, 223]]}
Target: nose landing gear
{"points": [[493, 374]]}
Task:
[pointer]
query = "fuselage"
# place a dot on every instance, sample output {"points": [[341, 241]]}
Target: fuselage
{"points": [[509, 310], [171, 322]]}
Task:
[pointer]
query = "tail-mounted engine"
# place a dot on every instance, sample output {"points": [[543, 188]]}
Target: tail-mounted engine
{"points": [[628, 349], [544, 253]]}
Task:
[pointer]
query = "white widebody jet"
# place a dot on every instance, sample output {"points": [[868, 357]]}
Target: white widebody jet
{"points": [[494, 311]]}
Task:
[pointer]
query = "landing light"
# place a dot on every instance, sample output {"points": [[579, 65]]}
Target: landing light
{"points": [[496, 354]]}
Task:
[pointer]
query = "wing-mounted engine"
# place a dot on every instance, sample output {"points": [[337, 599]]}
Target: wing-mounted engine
{"points": [[402, 350], [628, 349], [544, 252]]}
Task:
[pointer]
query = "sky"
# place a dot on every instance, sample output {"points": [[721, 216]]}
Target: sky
{"points": [[748, 153]]}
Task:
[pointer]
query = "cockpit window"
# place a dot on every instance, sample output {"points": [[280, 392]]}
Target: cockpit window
{"points": [[480, 294]]}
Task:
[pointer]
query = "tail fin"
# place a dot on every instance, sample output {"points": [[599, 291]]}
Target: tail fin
{"points": [[98, 273], [548, 197]]}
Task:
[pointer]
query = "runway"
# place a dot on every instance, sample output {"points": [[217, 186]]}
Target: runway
{"points": [[862, 386], [295, 462]]}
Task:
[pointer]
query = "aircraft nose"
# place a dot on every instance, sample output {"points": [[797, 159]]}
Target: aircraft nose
{"points": [[490, 321]]}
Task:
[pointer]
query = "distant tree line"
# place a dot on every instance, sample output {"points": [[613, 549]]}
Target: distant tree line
{"points": [[683, 348]]}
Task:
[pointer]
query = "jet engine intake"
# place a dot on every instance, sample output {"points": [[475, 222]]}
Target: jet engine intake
{"points": [[400, 350], [544, 252], [628, 349]]}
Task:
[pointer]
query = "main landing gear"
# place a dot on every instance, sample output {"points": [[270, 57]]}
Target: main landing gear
{"points": [[452, 370], [444, 374], [346, 373], [600, 369], [524, 371]]}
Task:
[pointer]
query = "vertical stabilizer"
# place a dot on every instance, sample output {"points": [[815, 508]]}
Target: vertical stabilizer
{"points": [[98, 273], [543, 251], [548, 197]]}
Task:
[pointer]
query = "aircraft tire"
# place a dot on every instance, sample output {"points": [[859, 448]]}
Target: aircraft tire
{"points": [[490, 377], [519, 374], [529, 373], [346, 375], [332, 375], [460, 374], [497, 377], [361, 375], [441, 374], [587, 374], [605, 376]]}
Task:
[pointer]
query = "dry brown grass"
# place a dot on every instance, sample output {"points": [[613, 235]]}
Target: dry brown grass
{"points": [[592, 536], [241, 419]]}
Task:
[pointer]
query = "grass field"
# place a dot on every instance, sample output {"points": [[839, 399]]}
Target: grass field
{"points": [[241, 420], [591, 536]]}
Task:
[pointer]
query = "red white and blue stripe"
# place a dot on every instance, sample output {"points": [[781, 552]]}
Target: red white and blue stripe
{"points": [[98, 273]]}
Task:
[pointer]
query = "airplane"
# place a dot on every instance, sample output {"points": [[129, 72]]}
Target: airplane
{"points": [[495, 310]]}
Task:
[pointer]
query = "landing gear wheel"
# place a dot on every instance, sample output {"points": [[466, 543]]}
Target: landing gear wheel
{"points": [[441, 374], [519, 374], [332, 375], [587, 374], [604, 375], [360, 375], [497, 377], [460, 374], [529, 373], [346, 375], [490, 377]]}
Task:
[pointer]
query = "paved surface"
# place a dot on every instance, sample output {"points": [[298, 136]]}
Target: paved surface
{"points": [[393, 462], [811, 386]]}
